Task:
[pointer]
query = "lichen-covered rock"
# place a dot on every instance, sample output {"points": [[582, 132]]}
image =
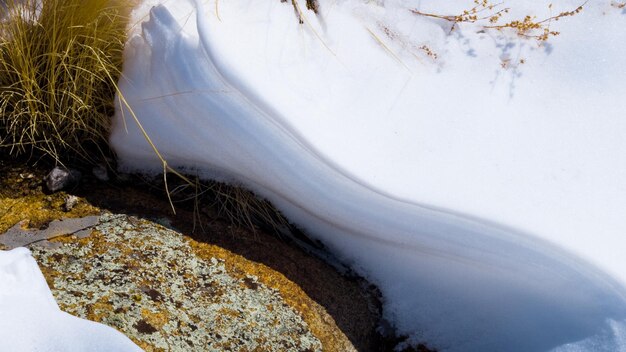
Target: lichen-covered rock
{"points": [[334, 306], [170, 293]]}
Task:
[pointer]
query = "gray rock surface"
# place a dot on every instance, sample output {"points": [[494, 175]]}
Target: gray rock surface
{"points": [[158, 288], [60, 178], [19, 237]]}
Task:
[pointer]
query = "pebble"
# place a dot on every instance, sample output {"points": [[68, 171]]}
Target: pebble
{"points": [[60, 178], [70, 202]]}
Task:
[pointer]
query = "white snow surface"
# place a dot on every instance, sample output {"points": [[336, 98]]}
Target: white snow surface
{"points": [[484, 196], [30, 319]]}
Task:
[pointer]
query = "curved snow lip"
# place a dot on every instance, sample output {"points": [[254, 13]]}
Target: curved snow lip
{"points": [[448, 280]]}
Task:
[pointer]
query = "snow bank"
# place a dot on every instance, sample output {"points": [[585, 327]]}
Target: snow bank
{"points": [[485, 196], [30, 319]]}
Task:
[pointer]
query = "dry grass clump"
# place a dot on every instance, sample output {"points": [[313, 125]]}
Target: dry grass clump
{"points": [[59, 64], [489, 13], [235, 204]]}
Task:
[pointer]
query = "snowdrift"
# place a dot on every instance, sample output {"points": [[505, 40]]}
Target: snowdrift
{"points": [[476, 177], [30, 319]]}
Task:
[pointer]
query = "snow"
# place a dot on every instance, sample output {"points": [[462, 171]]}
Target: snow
{"points": [[484, 196], [30, 319]]}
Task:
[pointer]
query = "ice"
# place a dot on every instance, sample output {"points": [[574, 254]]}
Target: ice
{"points": [[484, 196]]}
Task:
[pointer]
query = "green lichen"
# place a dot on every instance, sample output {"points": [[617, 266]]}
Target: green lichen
{"points": [[146, 281]]}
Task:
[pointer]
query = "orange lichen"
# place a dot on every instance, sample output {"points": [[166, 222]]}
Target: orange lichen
{"points": [[157, 320], [38, 210], [21, 199], [100, 309], [321, 324]]}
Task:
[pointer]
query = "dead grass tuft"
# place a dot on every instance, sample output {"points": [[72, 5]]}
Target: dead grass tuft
{"points": [[59, 63], [490, 15]]}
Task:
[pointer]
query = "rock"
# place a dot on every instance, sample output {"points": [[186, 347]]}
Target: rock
{"points": [[60, 178], [18, 236], [168, 292], [331, 299], [70, 202]]}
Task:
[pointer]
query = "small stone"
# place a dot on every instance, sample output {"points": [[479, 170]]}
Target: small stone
{"points": [[100, 172], [59, 178], [70, 202]]}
